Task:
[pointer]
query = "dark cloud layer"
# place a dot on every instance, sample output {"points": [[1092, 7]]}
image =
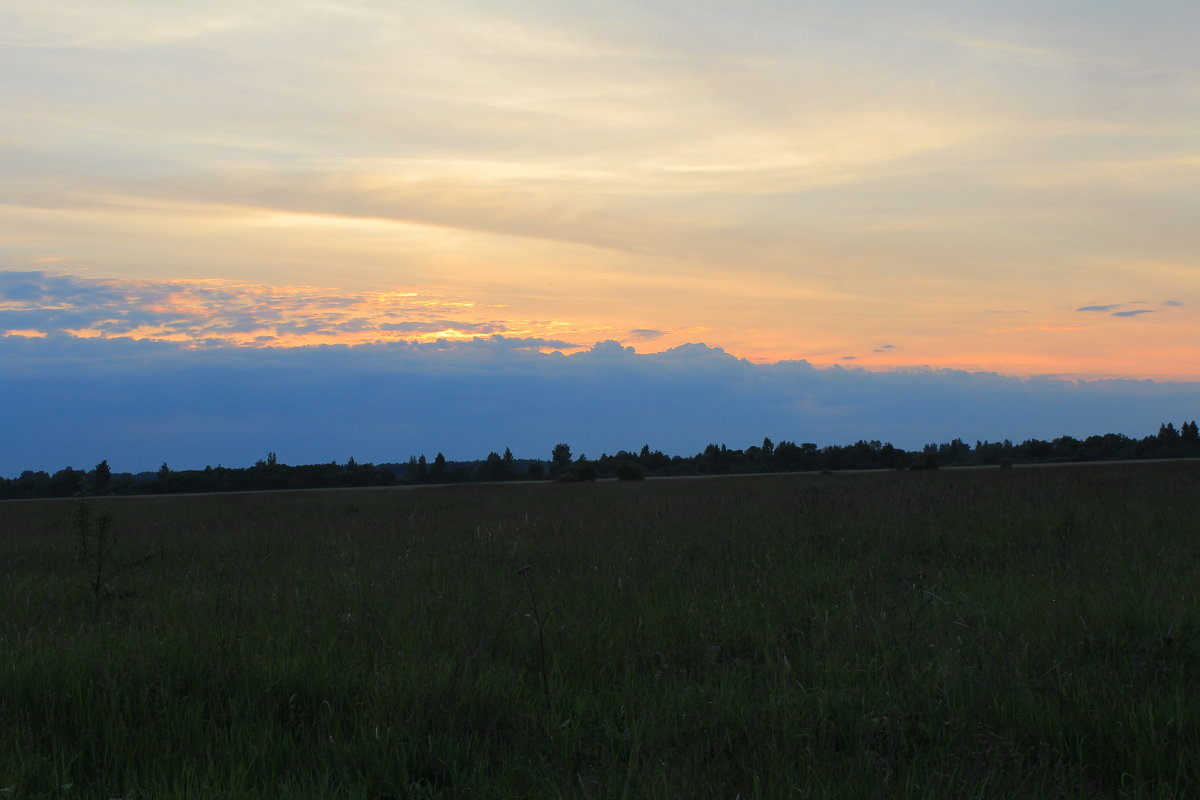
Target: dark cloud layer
{"points": [[139, 403]]}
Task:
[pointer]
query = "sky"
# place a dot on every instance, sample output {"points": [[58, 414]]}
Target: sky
{"points": [[610, 224]]}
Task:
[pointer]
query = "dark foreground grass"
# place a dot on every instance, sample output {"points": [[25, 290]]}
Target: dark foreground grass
{"points": [[988, 633]]}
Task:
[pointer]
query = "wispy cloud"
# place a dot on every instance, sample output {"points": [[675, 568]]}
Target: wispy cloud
{"points": [[784, 179], [1120, 310], [646, 334]]}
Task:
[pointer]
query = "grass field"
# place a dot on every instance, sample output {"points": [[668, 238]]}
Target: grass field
{"points": [[975, 633]]}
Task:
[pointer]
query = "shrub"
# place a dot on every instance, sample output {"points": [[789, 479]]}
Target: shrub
{"points": [[629, 471]]}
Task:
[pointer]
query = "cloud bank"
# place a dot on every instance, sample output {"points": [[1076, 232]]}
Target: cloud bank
{"points": [[138, 403]]}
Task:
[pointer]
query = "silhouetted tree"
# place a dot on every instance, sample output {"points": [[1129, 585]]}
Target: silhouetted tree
{"points": [[437, 474], [32, 483], [101, 478], [789, 454], [412, 470], [67, 482], [1189, 434], [1168, 442], [585, 470], [561, 456], [492, 469], [955, 452]]}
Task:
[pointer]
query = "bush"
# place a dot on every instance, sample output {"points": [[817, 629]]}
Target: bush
{"points": [[586, 472], [629, 471]]}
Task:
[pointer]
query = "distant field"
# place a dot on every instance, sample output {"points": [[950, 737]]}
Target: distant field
{"points": [[973, 633]]}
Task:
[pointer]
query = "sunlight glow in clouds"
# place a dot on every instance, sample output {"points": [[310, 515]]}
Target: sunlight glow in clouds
{"points": [[785, 180], [210, 313], [215, 313]]}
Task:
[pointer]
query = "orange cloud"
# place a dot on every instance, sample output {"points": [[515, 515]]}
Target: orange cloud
{"points": [[211, 313], [203, 313]]}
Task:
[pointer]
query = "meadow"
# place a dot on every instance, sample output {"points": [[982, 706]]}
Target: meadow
{"points": [[1024, 632]]}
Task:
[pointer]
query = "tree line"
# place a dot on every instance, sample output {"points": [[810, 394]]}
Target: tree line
{"points": [[715, 459]]}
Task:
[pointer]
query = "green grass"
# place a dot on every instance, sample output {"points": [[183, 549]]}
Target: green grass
{"points": [[976, 633]]}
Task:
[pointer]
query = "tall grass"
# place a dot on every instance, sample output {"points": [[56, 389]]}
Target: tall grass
{"points": [[987, 633]]}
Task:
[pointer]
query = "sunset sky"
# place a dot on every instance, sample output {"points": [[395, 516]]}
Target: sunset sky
{"points": [[1009, 189]]}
